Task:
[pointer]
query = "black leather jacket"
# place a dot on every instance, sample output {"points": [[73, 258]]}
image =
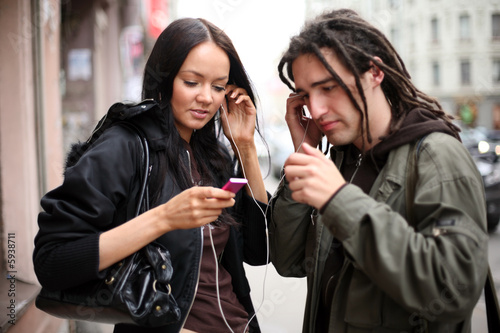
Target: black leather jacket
{"points": [[99, 193]]}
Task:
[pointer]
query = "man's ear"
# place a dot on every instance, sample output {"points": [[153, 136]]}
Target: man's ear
{"points": [[377, 74]]}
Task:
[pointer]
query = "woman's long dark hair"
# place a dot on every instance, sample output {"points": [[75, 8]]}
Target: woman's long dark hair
{"points": [[356, 43], [167, 56]]}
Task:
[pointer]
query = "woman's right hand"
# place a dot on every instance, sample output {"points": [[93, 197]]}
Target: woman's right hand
{"points": [[195, 207], [297, 123], [191, 208]]}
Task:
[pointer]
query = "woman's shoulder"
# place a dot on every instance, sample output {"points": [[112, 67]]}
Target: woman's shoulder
{"points": [[116, 147]]}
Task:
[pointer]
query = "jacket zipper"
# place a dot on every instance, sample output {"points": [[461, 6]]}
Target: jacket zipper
{"points": [[201, 251], [317, 279], [314, 312], [358, 163], [189, 164]]}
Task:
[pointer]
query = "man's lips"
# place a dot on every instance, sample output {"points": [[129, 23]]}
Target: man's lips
{"points": [[328, 125]]}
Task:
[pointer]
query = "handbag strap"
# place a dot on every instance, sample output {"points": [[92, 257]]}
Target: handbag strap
{"points": [[143, 195], [490, 295]]}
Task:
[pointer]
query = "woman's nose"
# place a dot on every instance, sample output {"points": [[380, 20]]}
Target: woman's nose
{"points": [[205, 95]]}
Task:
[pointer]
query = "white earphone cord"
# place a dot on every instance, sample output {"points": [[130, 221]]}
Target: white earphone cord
{"points": [[267, 233]]}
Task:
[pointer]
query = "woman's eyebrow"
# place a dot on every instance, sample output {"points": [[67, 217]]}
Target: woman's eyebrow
{"points": [[201, 75]]}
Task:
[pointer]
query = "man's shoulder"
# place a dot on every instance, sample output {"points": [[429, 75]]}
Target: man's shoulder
{"points": [[443, 155], [442, 143]]}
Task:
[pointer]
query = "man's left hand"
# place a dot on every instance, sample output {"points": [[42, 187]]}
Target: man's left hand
{"points": [[312, 176]]}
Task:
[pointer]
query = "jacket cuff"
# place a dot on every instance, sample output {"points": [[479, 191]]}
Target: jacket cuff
{"points": [[322, 210]]}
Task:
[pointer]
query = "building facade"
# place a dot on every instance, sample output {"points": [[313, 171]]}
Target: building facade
{"points": [[62, 64], [452, 49]]}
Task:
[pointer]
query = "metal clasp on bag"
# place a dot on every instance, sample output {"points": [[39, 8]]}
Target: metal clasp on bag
{"points": [[111, 279], [168, 287], [158, 307]]}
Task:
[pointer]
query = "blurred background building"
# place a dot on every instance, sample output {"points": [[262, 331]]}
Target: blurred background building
{"points": [[63, 63]]}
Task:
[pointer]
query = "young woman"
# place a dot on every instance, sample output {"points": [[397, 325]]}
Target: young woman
{"points": [[195, 75]]}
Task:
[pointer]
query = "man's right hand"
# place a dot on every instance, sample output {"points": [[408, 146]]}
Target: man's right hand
{"points": [[297, 123]]}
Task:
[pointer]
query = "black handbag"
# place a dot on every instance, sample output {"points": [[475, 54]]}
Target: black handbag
{"points": [[135, 290]]}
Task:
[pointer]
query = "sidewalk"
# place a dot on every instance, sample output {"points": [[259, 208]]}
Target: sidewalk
{"points": [[282, 307]]}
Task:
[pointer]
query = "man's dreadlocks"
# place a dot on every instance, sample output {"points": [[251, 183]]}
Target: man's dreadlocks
{"points": [[356, 44]]}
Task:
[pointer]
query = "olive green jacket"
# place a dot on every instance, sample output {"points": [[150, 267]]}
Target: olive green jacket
{"points": [[395, 278]]}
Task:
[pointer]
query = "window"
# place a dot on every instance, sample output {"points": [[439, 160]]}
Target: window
{"points": [[465, 75], [495, 26], [496, 71], [436, 78], [434, 30], [464, 28]]}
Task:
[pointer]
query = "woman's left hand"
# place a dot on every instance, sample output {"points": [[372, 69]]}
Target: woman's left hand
{"points": [[238, 116]]}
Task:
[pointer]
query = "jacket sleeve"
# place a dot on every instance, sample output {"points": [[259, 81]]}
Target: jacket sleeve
{"points": [[443, 261], [92, 198], [289, 227]]}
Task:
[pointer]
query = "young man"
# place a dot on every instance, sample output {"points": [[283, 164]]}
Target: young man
{"points": [[391, 229]]}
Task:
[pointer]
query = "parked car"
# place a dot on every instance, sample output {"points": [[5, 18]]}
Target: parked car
{"points": [[484, 147]]}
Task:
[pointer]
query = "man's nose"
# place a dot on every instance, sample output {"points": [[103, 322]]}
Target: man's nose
{"points": [[316, 107]]}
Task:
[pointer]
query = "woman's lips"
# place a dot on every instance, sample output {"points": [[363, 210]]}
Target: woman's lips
{"points": [[199, 114]]}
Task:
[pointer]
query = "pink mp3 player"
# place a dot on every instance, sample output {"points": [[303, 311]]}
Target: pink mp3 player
{"points": [[235, 184]]}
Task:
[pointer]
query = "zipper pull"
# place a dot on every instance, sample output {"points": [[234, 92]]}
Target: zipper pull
{"points": [[314, 215], [358, 162]]}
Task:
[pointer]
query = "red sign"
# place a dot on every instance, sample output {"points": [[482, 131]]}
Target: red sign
{"points": [[158, 17]]}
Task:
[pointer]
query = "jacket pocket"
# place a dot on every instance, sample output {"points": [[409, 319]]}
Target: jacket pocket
{"points": [[364, 301], [394, 317], [368, 308]]}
